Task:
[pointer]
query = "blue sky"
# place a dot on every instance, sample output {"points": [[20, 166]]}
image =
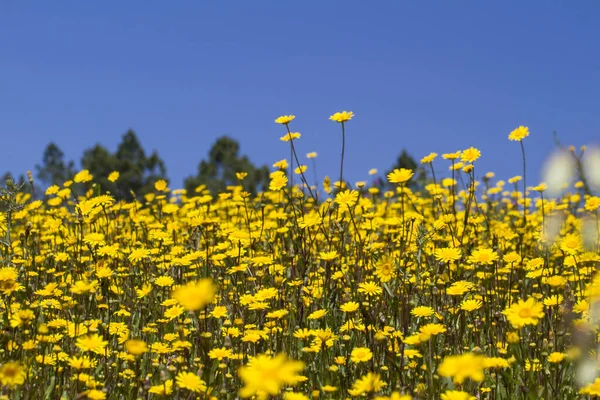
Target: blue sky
{"points": [[422, 75]]}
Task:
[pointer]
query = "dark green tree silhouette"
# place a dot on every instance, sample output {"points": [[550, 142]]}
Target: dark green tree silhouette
{"points": [[54, 170], [100, 162], [138, 172], [219, 171]]}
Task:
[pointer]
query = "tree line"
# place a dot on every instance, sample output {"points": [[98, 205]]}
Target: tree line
{"points": [[138, 170]]}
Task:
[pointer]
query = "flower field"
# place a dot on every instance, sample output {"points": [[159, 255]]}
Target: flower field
{"points": [[459, 289]]}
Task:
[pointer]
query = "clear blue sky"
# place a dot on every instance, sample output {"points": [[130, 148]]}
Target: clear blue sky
{"points": [[422, 75]]}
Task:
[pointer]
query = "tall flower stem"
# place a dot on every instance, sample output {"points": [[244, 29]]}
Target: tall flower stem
{"points": [[435, 183], [453, 199], [524, 183], [314, 166], [294, 155], [342, 160], [291, 159]]}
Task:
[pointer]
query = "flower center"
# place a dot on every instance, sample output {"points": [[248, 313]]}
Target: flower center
{"points": [[525, 313]]}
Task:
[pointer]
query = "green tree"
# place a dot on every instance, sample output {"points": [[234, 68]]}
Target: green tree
{"points": [[138, 172], [219, 171], [100, 162], [54, 170]]}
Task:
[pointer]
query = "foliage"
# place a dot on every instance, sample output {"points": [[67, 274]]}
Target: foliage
{"points": [[219, 170], [54, 170], [138, 171]]}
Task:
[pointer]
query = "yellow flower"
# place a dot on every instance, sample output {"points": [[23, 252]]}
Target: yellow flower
{"points": [[456, 395], [281, 164], [264, 376], [165, 388], [173, 312], [294, 396], [312, 154], [12, 374], [556, 357], [349, 307], [84, 362], [94, 239], [459, 288], [340, 360], [461, 367], [317, 314], [94, 394], [136, 347], [483, 256], [470, 305], [571, 244], [219, 312], [346, 198], [164, 281], [428, 158], [593, 389], [470, 155], [83, 176], [426, 331], [8, 274], [195, 295], [138, 254], [360, 354], [342, 116], [592, 203], [540, 188], [160, 185], [290, 136], [495, 362], [113, 176], [285, 119], [447, 254], [190, 381], [301, 169], [519, 134], [144, 291], [278, 181], [52, 190], [369, 288], [394, 396], [553, 300], [219, 353], [94, 343], [370, 383], [451, 156], [422, 311], [400, 175], [524, 313]]}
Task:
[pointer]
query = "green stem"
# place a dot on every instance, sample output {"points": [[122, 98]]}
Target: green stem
{"points": [[343, 150]]}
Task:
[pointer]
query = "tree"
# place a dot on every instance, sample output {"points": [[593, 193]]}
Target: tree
{"points": [[138, 172], [219, 171], [54, 170], [100, 162]]}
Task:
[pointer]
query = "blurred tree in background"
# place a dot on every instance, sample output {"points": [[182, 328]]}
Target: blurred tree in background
{"points": [[54, 170], [219, 171], [138, 171]]}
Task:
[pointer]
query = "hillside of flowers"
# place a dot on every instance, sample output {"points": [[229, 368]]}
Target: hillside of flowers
{"points": [[465, 288]]}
